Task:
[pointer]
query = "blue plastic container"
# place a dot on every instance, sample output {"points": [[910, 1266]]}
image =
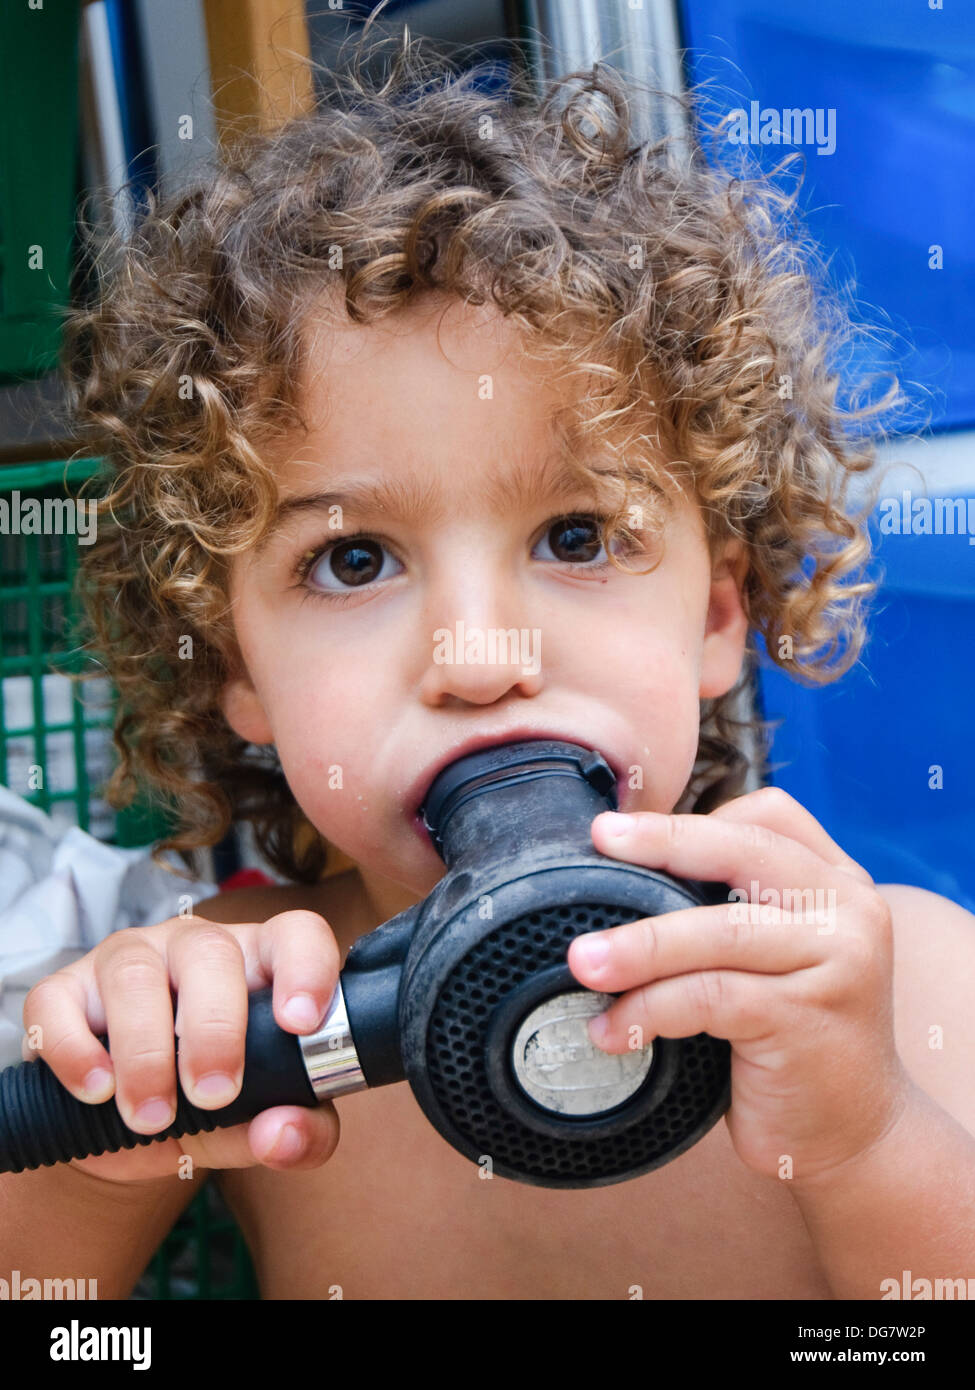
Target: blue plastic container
{"points": [[885, 757], [900, 82]]}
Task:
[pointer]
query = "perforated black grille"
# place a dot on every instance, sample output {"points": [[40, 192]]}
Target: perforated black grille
{"points": [[458, 1075]]}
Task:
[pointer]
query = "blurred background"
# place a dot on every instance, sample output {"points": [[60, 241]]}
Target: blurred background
{"points": [[103, 100]]}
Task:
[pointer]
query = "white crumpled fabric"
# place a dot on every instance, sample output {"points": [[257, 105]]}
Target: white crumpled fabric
{"points": [[61, 892]]}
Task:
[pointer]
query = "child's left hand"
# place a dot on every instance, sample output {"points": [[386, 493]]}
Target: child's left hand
{"points": [[805, 999]]}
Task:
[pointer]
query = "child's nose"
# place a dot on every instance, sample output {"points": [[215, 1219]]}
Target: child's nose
{"points": [[478, 653], [477, 633], [479, 682]]}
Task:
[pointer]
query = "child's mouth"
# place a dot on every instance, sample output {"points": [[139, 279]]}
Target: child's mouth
{"points": [[422, 831]]}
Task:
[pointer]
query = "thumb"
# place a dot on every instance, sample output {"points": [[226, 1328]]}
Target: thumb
{"points": [[285, 1137], [307, 1137]]}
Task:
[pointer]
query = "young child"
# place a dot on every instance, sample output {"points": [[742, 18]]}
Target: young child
{"points": [[427, 358]]}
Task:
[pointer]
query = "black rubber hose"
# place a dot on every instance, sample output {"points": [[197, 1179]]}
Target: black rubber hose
{"points": [[42, 1123]]}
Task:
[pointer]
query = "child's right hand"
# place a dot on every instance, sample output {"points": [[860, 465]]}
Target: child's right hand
{"points": [[125, 988]]}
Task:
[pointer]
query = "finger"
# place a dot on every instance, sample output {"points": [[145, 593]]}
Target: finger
{"points": [[303, 957], [776, 809], [248, 937], [55, 1017], [286, 1136], [206, 966], [291, 1136], [133, 981], [727, 935], [159, 1160], [318, 1130], [727, 1004], [745, 856]]}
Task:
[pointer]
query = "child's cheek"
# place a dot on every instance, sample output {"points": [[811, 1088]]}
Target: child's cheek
{"points": [[659, 698], [326, 748]]}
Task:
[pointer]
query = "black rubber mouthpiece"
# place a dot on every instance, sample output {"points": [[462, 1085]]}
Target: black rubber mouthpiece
{"points": [[510, 765]]}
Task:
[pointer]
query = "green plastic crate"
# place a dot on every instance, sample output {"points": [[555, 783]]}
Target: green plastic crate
{"points": [[203, 1257], [58, 728], [46, 721], [38, 172]]}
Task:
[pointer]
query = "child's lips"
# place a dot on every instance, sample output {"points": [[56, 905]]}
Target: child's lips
{"points": [[422, 831]]}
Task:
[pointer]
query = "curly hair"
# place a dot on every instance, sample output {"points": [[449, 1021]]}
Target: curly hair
{"points": [[685, 293]]}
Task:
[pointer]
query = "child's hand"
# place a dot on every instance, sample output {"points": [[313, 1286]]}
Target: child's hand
{"points": [[805, 998], [123, 988]]}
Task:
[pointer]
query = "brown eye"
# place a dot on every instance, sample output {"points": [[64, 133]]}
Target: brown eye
{"points": [[340, 569], [356, 562], [575, 539]]}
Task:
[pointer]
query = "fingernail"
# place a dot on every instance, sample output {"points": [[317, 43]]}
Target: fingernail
{"points": [[289, 1145], [216, 1086], [301, 1011], [592, 950], [598, 1028], [617, 824], [155, 1113], [98, 1086]]}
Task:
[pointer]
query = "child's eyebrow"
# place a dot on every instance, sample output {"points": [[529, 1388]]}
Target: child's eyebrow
{"points": [[414, 497]]}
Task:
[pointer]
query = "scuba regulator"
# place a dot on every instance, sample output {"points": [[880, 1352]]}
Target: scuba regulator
{"points": [[468, 996]]}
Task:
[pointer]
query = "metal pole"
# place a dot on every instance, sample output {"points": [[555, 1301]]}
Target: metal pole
{"points": [[640, 38]]}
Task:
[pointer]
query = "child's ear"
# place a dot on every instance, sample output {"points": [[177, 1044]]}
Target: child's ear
{"points": [[243, 710], [726, 629]]}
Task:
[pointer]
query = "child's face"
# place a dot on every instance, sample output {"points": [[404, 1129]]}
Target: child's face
{"points": [[358, 696]]}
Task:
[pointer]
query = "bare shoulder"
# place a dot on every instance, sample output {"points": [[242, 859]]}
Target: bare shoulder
{"points": [[934, 981], [257, 904], [262, 901]]}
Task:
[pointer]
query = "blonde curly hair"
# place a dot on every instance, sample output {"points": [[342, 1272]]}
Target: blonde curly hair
{"points": [[666, 280]]}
